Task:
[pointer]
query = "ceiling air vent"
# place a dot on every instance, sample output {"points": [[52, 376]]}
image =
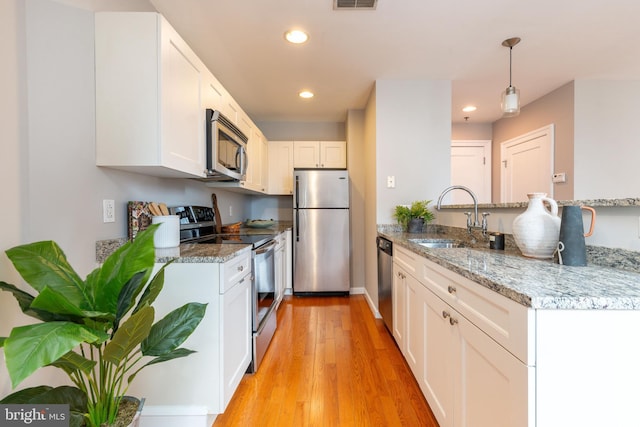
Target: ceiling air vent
{"points": [[354, 4]]}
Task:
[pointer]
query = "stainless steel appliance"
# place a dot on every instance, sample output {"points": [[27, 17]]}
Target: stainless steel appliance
{"points": [[197, 226], [385, 281], [321, 232], [226, 149]]}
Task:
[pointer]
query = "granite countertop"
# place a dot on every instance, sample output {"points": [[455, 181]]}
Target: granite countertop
{"points": [[539, 284], [195, 252]]}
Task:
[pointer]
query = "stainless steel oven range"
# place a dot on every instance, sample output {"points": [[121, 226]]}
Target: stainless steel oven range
{"points": [[197, 226]]}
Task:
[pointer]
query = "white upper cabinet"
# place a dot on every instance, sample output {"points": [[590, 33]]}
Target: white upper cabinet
{"points": [[281, 167], [149, 97], [256, 179], [320, 154]]}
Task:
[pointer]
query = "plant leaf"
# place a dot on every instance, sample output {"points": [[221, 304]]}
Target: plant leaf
{"points": [[2, 339], [44, 264], [105, 283], [127, 297], [25, 395], [130, 334], [153, 290], [171, 331], [34, 346], [24, 301], [73, 396], [72, 362]]}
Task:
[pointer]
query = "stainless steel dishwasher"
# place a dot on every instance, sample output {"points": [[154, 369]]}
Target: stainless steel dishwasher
{"points": [[385, 281]]}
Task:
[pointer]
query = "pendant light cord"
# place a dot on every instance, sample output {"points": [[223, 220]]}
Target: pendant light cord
{"points": [[510, 50]]}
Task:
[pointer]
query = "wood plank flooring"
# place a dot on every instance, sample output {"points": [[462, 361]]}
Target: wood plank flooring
{"points": [[330, 363]]}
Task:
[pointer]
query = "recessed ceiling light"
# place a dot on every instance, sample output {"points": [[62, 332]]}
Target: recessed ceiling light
{"points": [[469, 108], [296, 36], [306, 94]]}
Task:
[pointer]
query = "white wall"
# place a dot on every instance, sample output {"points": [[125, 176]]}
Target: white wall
{"points": [[413, 142], [13, 137], [408, 136], [606, 142], [51, 188]]}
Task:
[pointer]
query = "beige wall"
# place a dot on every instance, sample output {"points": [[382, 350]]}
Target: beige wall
{"points": [[303, 131], [471, 131], [555, 108], [357, 174]]}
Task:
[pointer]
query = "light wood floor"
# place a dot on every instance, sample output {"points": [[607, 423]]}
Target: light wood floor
{"points": [[330, 363]]}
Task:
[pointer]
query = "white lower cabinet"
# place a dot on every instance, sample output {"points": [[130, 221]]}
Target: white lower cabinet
{"points": [[208, 378], [467, 377]]}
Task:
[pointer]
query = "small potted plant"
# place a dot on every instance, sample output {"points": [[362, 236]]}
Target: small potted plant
{"points": [[413, 217], [100, 331]]}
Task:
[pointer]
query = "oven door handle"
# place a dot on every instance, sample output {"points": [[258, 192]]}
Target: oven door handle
{"points": [[266, 248]]}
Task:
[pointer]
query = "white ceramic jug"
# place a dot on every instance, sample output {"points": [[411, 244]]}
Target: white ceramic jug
{"points": [[536, 231]]}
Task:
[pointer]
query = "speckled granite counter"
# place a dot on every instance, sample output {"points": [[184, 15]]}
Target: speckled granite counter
{"points": [[533, 283], [194, 252]]}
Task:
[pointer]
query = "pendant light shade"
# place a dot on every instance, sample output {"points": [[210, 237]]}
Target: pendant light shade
{"points": [[511, 95]]}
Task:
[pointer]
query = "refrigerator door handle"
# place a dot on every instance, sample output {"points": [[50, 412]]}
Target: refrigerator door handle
{"points": [[297, 191], [297, 225]]}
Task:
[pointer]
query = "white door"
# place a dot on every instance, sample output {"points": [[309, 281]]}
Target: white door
{"points": [[471, 167], [527, 165]]}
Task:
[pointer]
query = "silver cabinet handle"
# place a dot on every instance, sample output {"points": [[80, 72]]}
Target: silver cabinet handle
{"points": [[445, 314], [453, 321], [451, 289], [241, 268]]}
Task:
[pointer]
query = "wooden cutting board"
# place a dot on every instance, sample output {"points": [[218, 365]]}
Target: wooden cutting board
{"points": [[216, 213]]}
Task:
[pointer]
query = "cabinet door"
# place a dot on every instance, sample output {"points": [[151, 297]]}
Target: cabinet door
{"points": [[333, 154], [414, 335], [281, 167], [306, 154], [399, 314], [492, 385], [213, 93], [235, 333], [435, 376], [182, 119]]}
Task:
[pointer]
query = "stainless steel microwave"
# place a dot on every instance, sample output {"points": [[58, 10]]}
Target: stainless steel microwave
{"points": [[226, 149]]}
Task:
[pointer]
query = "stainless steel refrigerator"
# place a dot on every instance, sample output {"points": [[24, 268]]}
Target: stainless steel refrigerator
{"points": [[321, 231]]}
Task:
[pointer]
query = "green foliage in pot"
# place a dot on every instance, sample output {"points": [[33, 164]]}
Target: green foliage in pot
{"points": [[418, 209], [100, 331]]}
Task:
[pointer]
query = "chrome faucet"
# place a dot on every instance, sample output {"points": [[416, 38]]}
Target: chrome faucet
{"points": [[470, 224]]}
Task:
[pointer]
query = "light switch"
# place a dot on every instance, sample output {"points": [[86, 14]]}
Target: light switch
{"points": [[559, 177], [391, 182]]}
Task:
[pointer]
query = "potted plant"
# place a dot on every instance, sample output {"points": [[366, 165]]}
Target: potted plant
{"points": [[413, 217], [100, 331]]}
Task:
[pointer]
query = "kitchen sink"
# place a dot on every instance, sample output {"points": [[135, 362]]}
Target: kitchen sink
{"points": [[436, 243]]}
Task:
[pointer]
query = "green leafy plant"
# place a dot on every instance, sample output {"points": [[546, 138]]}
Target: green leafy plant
{"points": [[418, 209], [100, 331]]}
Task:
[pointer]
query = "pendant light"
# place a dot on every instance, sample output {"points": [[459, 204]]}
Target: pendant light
{"points": [[511, 95]]}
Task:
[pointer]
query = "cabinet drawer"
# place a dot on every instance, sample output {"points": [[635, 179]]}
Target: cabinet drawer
{"points": [[234, 270], [407, 260], [507, 322]]}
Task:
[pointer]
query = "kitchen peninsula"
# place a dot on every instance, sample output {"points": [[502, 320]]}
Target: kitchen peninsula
{"points": [[501, 339]]}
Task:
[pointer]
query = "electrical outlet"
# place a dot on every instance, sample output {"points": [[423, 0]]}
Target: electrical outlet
{"points": [[230, 210], [108, 211], [391, 181]]}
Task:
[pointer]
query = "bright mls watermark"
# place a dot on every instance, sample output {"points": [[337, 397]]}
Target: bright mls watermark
{"points": [[34, 415]]}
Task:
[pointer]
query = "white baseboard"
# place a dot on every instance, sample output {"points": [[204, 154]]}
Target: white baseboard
{"points": [[357, 291], [176, 416], [372, 307]]}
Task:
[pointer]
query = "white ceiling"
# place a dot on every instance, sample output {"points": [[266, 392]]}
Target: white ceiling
{"points": [[459, 40]]}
